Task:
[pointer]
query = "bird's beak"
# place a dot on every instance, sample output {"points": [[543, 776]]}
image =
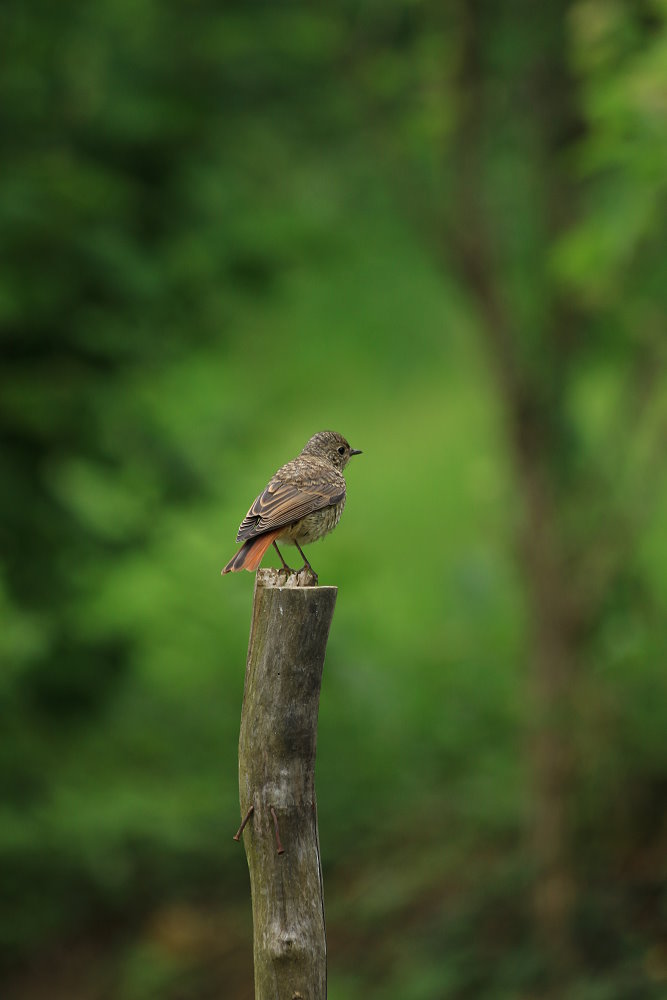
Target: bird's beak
{"points": [[355, 451]]}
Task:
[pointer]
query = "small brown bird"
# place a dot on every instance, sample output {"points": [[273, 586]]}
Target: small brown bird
{"points": [[303, 502]]}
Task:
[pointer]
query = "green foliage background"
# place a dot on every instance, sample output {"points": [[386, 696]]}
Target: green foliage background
{"points": [[212, 227]]}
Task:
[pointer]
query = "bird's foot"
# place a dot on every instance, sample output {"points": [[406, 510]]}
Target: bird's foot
{"points": [[307, 577], [284, 574], [306, 569]]}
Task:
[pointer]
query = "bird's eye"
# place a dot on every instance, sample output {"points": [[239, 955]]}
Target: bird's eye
{"points": [[341, 450]]}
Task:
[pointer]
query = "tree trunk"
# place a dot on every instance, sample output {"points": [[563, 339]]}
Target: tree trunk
{"points": [[530, 392]]}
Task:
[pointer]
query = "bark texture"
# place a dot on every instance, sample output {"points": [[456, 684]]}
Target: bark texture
{"points": [[277, 746]]}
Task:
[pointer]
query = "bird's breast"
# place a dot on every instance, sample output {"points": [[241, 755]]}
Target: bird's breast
{"points": [[313, 526]]}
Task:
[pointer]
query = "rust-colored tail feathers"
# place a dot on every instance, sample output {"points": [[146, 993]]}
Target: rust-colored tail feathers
{"points": [[250, 555]]}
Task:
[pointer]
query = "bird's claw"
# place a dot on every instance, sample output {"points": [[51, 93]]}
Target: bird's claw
{"points": [[308, 575]]}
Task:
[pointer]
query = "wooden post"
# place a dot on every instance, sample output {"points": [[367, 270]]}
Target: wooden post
{"points": [[277, 744]]}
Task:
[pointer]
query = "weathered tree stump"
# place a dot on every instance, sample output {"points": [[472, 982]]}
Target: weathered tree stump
{"points": [[277, 746]]}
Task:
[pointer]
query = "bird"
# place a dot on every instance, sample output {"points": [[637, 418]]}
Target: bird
{"points": [[303, 502]]}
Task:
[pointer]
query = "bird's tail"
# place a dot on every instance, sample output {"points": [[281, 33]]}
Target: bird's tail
{"points": [[250, 555]]}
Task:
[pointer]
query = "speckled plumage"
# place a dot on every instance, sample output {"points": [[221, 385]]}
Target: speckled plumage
{"points": [[303, 501]]}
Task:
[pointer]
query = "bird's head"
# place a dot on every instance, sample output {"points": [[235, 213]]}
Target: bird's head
{"points": [[332, 446]]}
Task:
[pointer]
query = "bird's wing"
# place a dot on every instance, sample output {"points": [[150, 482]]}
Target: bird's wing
{"points": [[281, 503]]}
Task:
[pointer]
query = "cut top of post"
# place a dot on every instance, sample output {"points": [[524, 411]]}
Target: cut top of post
{"points": [[270, 579]]}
